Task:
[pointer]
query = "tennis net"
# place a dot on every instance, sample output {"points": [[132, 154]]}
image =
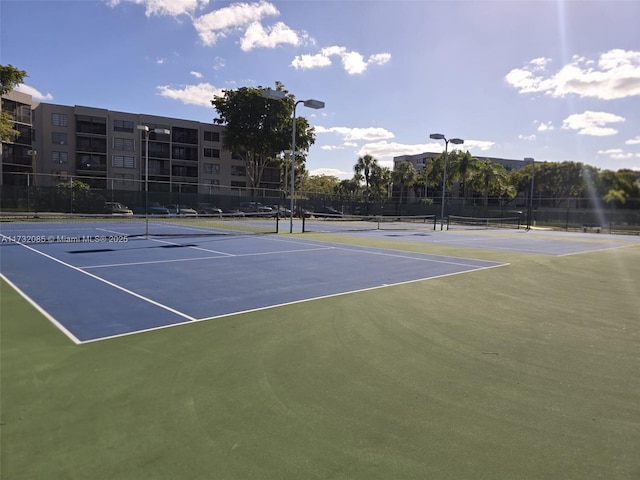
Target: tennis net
{"points": [[458, 222], [87, 228], [349, 223]]}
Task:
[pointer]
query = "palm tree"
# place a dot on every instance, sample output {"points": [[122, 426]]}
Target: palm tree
{"points": [[380, 181], [365, 166], [490, 177], [404, 175], [462, 166]]}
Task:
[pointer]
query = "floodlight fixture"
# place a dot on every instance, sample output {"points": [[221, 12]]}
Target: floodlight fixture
{"points": [[273, 94], [456, 141], [311, 103]]}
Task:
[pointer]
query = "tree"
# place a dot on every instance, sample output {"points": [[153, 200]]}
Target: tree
{"points": [[462, 166], [320, 184], [404, 175], [365, 166], [259, 129], [10, 77], [490, 178], [380, 181]]}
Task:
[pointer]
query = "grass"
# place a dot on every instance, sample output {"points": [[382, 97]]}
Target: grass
{"points": [[523, 372]]}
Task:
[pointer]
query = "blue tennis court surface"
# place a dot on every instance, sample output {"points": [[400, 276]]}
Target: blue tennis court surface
{"points": [[520, 241], [97, 290]]}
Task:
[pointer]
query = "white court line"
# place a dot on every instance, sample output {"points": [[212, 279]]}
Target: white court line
{"points": [[304, 300], [178, 260], [111, 284], [43, 312]]}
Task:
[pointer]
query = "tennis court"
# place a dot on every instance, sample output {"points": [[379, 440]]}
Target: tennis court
{"points": [[96, 286], [501, 234], [384, 353]]}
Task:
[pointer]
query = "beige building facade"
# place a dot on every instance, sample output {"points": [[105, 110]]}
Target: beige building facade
{"points": [[108, 150]]}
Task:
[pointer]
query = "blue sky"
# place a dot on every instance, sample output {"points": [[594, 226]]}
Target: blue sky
{"points": [[554, 80]]}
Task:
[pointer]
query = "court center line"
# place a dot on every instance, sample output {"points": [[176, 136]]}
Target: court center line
{"points": [[107, 282]]}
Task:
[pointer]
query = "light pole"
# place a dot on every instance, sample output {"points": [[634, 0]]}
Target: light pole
{"points": [[455, 141], [533, 170], [147, 131], [316, 104], [33, 154]]}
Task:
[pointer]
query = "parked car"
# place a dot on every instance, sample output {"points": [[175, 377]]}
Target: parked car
{"points": [[255, 208], [154, 208], [208, 209], [180, 210], [282, 211], [325, 212], [116, 208]]}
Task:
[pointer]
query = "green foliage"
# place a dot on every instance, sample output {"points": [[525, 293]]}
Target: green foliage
{"points": [[10, 77], [320, 184], [259, 129]]}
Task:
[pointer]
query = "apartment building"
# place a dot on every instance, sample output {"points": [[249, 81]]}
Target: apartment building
{"points": [[108, 150]]}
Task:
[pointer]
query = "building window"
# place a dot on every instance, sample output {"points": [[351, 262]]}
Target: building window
{"points": [[91, 125], [59, 119], [238, 171], [120, 161], [123, 126], [59, 157], [122, 180], [212, 152], [184, 135], [212, 183], [211, 136], [123, 144], [59, 138], [213, 168]]}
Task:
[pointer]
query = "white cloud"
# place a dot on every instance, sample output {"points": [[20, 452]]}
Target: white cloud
{"points": [[545, 127], [616, 153], [350, 134], [481, 145], [528, 138], [334, 172], [219, 63], [592, 123], [219, 23], [616, 74], [200, 94], [353, 62], [172, 8], [196, 74], [36, 94], [160, 61], [257, 36], [393, 149], [633, 141]]}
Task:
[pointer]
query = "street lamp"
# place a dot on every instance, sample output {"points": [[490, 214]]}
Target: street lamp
{"points": [[455, 141], [147, 131], [316, 104], [533, 170], [33, 154]]}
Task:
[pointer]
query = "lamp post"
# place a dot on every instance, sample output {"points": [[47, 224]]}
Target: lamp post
{"points": [[455, 141], [533, 170], [316, 104], [33, 154], [147, 132]]}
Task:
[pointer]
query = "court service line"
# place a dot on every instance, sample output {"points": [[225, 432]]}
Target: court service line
{"points": [[107, 282], [177, 260]]}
